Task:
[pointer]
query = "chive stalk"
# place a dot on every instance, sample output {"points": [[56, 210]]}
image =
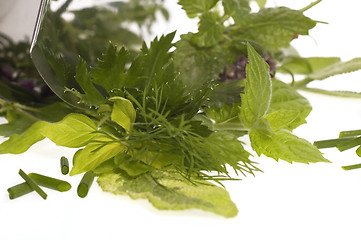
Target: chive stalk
{"points": [[85, 184], [350, 133], [349, 144], [49, 182], [32, 184], [330, 143], [351, 167], [64, 164], [19, 190]]}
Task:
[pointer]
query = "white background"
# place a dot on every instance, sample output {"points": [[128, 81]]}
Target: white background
{"points": [[287, 201]]}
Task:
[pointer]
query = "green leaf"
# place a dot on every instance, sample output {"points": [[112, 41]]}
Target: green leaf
{"points": [[91, 95], [17, 144], [304, 66], [282, 144], [123, 112], [210, 31], [17, 126], [288, 108], [193, 8], [74, 131], [261, 3], [233, 7], [110, 70], [257, 96], [274, 28], [336, 68], [99, 150], [167, 190]]}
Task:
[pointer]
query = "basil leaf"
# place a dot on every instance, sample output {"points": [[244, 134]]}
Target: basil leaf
{"points": [[99, 150], [257, 96], [167, 190], [17, 144], [74, 131], [123, 112]]}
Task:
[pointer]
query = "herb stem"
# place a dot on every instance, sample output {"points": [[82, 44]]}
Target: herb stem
{"points": [[19, 190], [32, 184], [310, 6], [85, 184], [49, 182], [64, 165]]}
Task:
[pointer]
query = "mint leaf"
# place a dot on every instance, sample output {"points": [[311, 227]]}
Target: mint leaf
{"points": [[99, 150], [91, 95], [210, 31], [74, 131], [17, 144], [336, 68], [304, 66], [123, 112], [167, 190], [193, 8], [232, 7], [282, 144], [110, 70], [288, 108], [257, 96], [274, 28]]}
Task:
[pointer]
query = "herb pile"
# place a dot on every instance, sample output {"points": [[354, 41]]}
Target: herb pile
{"points": [[164, 123]]}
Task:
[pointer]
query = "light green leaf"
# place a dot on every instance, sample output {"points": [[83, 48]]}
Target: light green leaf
{"points": [[99, 150], [210, 31], [236, 8], [282, 144], [274, 28], [167, 190], [74, 131], [304, 66], [17, 144], [337, 68], [288, 108], [257, 96], [261, 3], [123, 112], [193, 8]]}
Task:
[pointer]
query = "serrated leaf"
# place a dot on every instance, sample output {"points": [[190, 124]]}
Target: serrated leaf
{"points": [[167, 190], [123, 112], [110, 70], [74, 131], [17, 144], [288, 109], [274, 28], [210, 31], [99, 150], [335, 69], [193, 8], [258, 89], [282, 144], [239, 10], [91, 95]]}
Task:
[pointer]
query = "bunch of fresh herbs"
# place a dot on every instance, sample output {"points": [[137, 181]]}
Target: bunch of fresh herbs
{"points": [[164, 123]]}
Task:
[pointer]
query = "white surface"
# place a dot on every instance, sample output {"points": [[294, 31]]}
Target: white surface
{"points": [[287, 201]]}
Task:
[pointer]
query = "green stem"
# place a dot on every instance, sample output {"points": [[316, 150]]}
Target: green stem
{"points": [[32, 184], [310, 6], [64, 165], [19, 190], [351, 167], [330, 143], [85, 184], [349, 144], [48, 182]]}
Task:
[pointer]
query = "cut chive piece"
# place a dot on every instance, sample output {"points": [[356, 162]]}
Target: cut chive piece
{"points": [[350, 133], [19, 190], [64, 164], [32, 184], [351, 167], [358, 151], [85, 184], [332, 142], [349, 144], [49, 182]]}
